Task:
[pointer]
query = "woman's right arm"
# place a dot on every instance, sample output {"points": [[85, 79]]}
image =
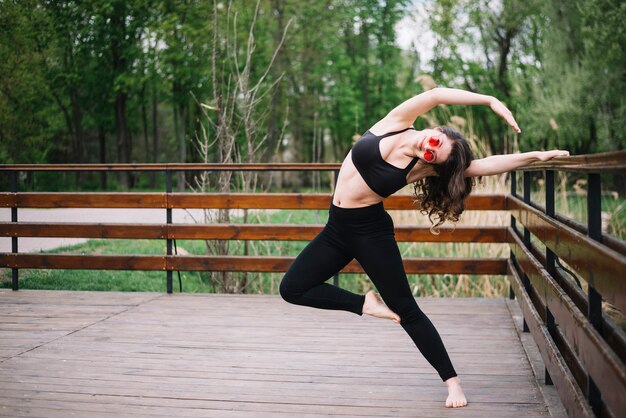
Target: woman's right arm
{"points": [[498, 164]]}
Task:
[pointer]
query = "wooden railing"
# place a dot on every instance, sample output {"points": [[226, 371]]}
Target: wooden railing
{"points": [[582, 349]]}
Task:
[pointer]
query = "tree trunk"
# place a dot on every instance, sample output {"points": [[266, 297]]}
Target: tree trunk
{"points": [[78, 125], [365, 72], [119, 67], [144, 120], [155, 133], [273, 129], [120, 130], [183, 146], [102, 139]]}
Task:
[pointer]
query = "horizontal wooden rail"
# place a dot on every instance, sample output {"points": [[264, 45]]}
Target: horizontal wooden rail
{"points": [[597, 264], [174, 167], [571, 395], [612, 242], [234, 232], [604, 162], [494, 266], [214, 201], [600, 162], [600, 362]]}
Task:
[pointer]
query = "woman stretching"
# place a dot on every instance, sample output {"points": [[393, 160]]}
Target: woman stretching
{"points": [[386, 158]]}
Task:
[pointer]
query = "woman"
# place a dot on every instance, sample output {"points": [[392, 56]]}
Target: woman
{"points": [[387, 157]]}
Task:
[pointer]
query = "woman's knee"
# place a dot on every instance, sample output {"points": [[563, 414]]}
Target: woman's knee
{"points": [[407, 310], [286, 289]]}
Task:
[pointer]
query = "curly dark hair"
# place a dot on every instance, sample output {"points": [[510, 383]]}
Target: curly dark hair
{"points": [[442, 197]]}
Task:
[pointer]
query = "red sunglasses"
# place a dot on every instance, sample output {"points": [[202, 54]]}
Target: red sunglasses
{"points": [[434, 143]]}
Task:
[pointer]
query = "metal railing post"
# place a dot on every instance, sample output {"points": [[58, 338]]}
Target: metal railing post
{"points": [[525, 279], [513, 227], [14, 248], [336, 276], [550, 259], [594, 311], [527, 201], [168, 220]]}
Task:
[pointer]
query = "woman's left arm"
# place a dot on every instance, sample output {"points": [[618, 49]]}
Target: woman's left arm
{"points": [[498, 164], [406, 112]]}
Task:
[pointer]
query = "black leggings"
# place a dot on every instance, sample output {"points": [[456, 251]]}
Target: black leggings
{"points": [[366, 234]]}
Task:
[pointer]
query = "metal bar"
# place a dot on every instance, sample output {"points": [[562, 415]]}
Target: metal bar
{"points": [[550, 259], [594, 231], [594, 207], [14, 247], [168, 215], [550, 210], [551, 328], [526, 240], [336, 276], [513, 226], [594, 311], [513, 193], [526, 200]]}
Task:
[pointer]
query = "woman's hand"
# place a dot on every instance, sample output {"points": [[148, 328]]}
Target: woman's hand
{"points": [[499, 107], [548, 155]]}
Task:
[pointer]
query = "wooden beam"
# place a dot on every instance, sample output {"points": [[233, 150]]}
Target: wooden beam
{"points": [[214, 201], [571, 396], [598, 162], [234, 263], [83, 230], [599, 265], [601, 363], [235, 232], [175, 167], [80, 261], [83, 200]]}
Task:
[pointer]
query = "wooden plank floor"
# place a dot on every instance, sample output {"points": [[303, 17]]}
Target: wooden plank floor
{"points": [[91, 354]]}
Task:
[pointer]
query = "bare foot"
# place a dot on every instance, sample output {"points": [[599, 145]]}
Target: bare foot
{"points": [[456, 397], [375, 306]]}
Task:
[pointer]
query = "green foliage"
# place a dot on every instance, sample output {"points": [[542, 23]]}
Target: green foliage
{"points": [[113, 80]]}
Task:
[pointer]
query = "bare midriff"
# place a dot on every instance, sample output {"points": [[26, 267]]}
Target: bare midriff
{"points": [[351, 191]]}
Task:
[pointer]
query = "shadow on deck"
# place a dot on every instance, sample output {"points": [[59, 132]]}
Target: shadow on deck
{"points": [[151, 354]]}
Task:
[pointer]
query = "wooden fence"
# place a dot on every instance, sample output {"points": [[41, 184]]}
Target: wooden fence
{"points": [[582, 349]]}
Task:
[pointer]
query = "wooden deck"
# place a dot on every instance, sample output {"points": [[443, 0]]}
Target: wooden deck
{"points": [[90, 354]]}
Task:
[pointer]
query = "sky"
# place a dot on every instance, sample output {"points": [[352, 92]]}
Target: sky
{"points": [[414, 28]]}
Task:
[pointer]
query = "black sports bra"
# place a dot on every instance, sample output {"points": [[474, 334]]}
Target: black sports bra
{"points": [[382, 177]]}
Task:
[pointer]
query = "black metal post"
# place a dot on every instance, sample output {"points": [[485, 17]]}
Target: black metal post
{"points": [[14, 249], [594, 311], [513, 193], [594, 230], [336, 276], [513, 227], [550, 211], [526, 200], [526, 240], [168, 214], [550, 259]]}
